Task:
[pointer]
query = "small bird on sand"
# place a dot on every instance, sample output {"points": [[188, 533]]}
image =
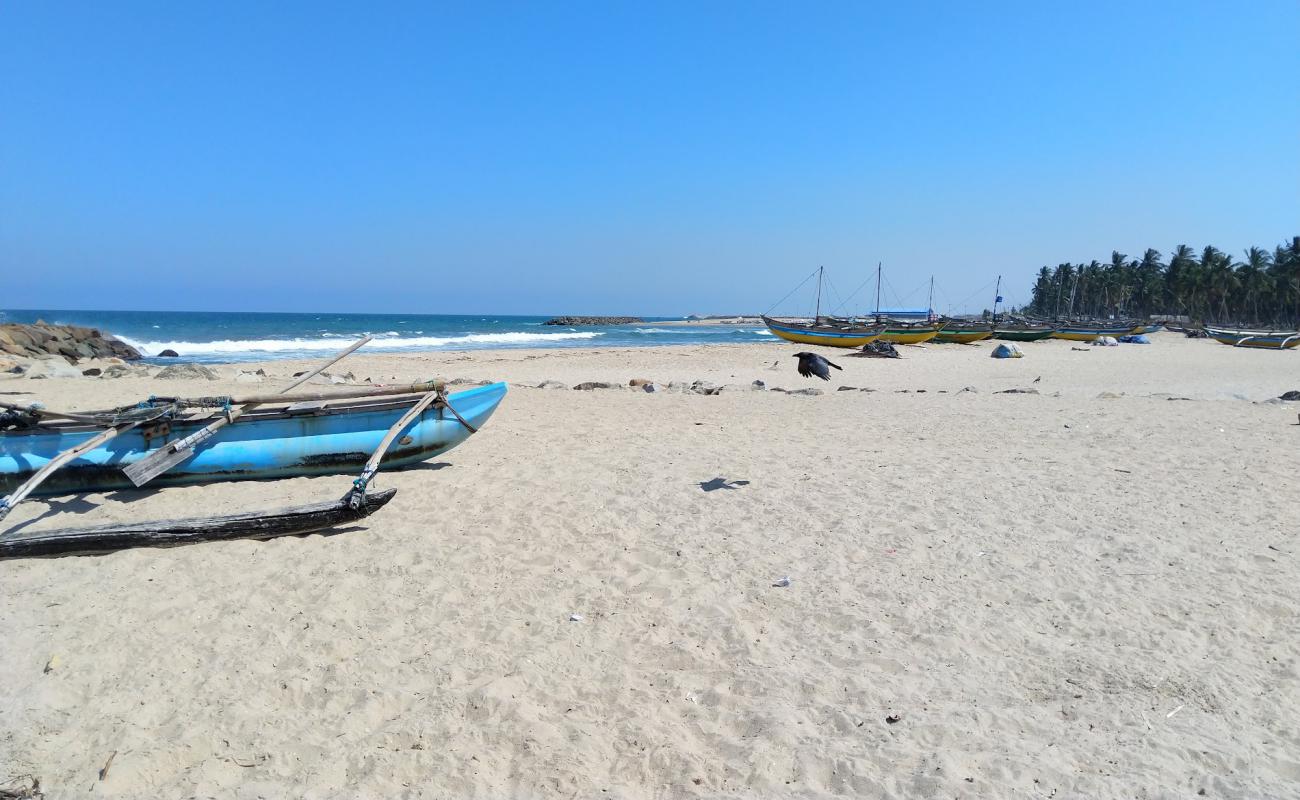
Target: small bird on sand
{"points": [[811, 364], [1039, 378]]}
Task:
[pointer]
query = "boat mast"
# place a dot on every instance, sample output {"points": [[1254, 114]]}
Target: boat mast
{"points": [[818, 313], [1069, 312], [1060, 284], [877, 289], [997, 295], [929, 304]]}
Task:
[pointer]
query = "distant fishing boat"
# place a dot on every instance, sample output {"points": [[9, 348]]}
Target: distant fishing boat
{"points": [[900, 332], [1146, 328], [1088, 332], [959, 332], [831, 333], [907, 326], [820, 330], [1022, 331], [1263, 340], [1016, 329]]}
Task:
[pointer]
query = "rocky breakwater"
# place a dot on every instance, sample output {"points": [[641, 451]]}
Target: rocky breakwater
{"points": [[570, 321], [72, 342]]}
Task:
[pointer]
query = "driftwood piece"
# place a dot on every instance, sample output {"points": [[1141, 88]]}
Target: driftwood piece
{"points": [[165, 533]]}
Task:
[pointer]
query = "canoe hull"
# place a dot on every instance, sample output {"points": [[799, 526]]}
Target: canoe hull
{"points": [[908, 335], [1259, 340], [258, 446], [960, 336], [801, 334], [1075, 333], [1012, 335]]}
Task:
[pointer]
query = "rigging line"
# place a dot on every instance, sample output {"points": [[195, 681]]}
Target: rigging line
{"points": [[792, 291], [938, 290], [831, 285], [901, 300], [977, 291], [855, 292], [890, 288]]}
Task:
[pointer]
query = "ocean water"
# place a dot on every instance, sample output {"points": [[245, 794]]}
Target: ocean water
{"points": [[225, 337]]}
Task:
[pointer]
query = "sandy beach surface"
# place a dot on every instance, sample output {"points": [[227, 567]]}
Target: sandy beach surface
{"points": [[1087, 591]]}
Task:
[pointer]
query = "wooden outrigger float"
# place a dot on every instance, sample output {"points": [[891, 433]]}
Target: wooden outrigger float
{"points": [[173, 441]]}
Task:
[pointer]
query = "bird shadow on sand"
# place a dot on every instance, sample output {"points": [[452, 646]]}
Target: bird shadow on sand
{"points": [[720, 483]]}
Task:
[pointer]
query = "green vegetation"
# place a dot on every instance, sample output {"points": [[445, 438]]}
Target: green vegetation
{"points": [[1261, 289]]}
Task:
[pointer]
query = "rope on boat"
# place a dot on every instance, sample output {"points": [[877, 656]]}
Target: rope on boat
{"points": [[21, 418], [792, 291]]}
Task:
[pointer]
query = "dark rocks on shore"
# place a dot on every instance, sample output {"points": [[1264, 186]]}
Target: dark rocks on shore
{"points": [[169, 353], [570, 321], [72, 342]]}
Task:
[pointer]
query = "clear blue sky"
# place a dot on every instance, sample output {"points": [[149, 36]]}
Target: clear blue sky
{"points": [[655, 158]]}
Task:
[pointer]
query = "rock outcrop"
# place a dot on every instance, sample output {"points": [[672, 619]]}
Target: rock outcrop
{"points": [[186, 372], [593, 321], [72, 342]]}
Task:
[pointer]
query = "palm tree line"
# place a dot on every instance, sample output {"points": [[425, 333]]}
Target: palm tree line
{"points": [[1260, 289]]}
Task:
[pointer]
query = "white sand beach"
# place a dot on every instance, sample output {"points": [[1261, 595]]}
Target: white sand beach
{"points": [[1087, 591]]}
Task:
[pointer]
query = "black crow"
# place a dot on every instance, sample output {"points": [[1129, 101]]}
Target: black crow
{"points": [[811, 364]]}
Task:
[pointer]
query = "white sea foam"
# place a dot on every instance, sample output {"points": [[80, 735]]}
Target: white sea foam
{"points": [[234, 346]]}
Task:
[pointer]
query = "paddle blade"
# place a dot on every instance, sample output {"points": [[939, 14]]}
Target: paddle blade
{"points": [[155, 464]]}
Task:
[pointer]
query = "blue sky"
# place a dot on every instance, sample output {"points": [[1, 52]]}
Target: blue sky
{"points": [[654, 158]]}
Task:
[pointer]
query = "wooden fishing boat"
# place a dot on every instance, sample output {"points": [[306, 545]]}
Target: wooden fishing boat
{"points": [[1263, 340], [1089, 332], [227, 438], [1022, 332], [911, 332], [1145, 328], [271, 440], [959, 332], [828, 332]]}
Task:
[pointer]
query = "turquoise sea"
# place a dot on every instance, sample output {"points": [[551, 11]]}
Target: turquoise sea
{"points": [[222, 337]]}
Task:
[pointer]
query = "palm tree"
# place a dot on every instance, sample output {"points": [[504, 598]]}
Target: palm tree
{"points": [[1220, 279], [1148, 280], [1253, 277], [1180, 278], [1261, 289]]}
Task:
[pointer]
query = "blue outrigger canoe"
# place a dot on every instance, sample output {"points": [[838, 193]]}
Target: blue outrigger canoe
{"points": [[289, 440]]}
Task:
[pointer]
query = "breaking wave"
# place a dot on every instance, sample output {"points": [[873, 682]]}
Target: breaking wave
{"points": [[381, 342]]}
